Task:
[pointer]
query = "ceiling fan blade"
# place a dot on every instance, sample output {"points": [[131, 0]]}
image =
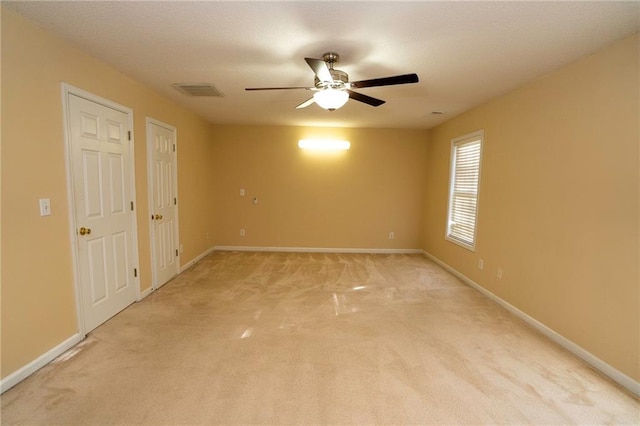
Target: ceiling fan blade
{"points": [[386, 81], [364, 98], [305, 103], [320, 68], [276, 88]]}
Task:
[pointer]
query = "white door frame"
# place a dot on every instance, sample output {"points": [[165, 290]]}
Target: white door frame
{"points": [[150, 191], [67, 90]]}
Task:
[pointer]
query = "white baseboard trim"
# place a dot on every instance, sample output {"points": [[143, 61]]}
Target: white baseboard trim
{"points": [[318, 250], [613, 373], [198, 258], [19, 375], [145, 293]]}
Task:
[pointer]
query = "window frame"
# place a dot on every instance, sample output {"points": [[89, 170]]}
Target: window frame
{"points": [[477, 136]]}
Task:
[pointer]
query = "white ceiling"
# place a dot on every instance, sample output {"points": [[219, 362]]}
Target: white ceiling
{"points": [[465, 53]]}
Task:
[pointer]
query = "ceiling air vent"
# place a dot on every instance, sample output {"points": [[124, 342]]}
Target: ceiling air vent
{"points": [[198, 89]]}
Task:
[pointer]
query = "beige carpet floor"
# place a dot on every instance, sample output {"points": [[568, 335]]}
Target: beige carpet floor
{"points": [[287, 338]]}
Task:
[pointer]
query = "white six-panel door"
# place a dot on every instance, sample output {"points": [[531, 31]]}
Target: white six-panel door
{"points": [[163, 201], [101, 170]]}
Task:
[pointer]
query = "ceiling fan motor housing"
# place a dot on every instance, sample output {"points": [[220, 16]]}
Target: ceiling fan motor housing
{"points": [[340, 80]]}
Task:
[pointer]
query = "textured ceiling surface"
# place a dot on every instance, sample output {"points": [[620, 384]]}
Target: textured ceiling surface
{"points": [[465, 53]]}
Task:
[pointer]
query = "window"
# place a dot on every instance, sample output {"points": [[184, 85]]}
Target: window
{"points": [[464, 182]]}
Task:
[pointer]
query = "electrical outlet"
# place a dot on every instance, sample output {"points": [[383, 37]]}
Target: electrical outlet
{"points": [[499, 273], [480, 264], [392, 235], [242, 232], [242, 192], [181, 248], [206, 234]]}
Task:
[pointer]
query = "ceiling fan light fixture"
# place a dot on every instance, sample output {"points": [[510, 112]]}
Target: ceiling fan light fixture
{"points": [[331, 99]]}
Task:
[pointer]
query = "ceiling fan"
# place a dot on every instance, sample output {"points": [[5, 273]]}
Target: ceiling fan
{"points": [[333, 89]]}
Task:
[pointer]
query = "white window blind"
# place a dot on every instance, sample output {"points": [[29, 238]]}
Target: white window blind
{"points": [[463, 189]]}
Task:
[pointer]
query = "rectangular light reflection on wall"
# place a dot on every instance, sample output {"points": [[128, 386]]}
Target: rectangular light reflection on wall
{"points": [[324, 144]]}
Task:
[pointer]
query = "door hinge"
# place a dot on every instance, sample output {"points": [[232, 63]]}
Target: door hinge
{"points": [[175, 201], [129, 134], [135, 272], [174, 147], [176, 253], [132, 206]]}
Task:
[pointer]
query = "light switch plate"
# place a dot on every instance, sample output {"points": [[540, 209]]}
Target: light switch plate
{"points": [[45, 207]]}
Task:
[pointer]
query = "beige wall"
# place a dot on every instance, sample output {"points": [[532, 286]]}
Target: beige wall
{"points": [[558, 202], [38, 307], [348, 200]]}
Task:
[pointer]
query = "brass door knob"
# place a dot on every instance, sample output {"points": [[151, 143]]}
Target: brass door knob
{"points": [[84, 231], [157, 217]]}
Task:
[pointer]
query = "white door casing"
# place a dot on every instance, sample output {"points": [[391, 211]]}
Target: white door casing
{"points": [[102, 193], [163, 200]]}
